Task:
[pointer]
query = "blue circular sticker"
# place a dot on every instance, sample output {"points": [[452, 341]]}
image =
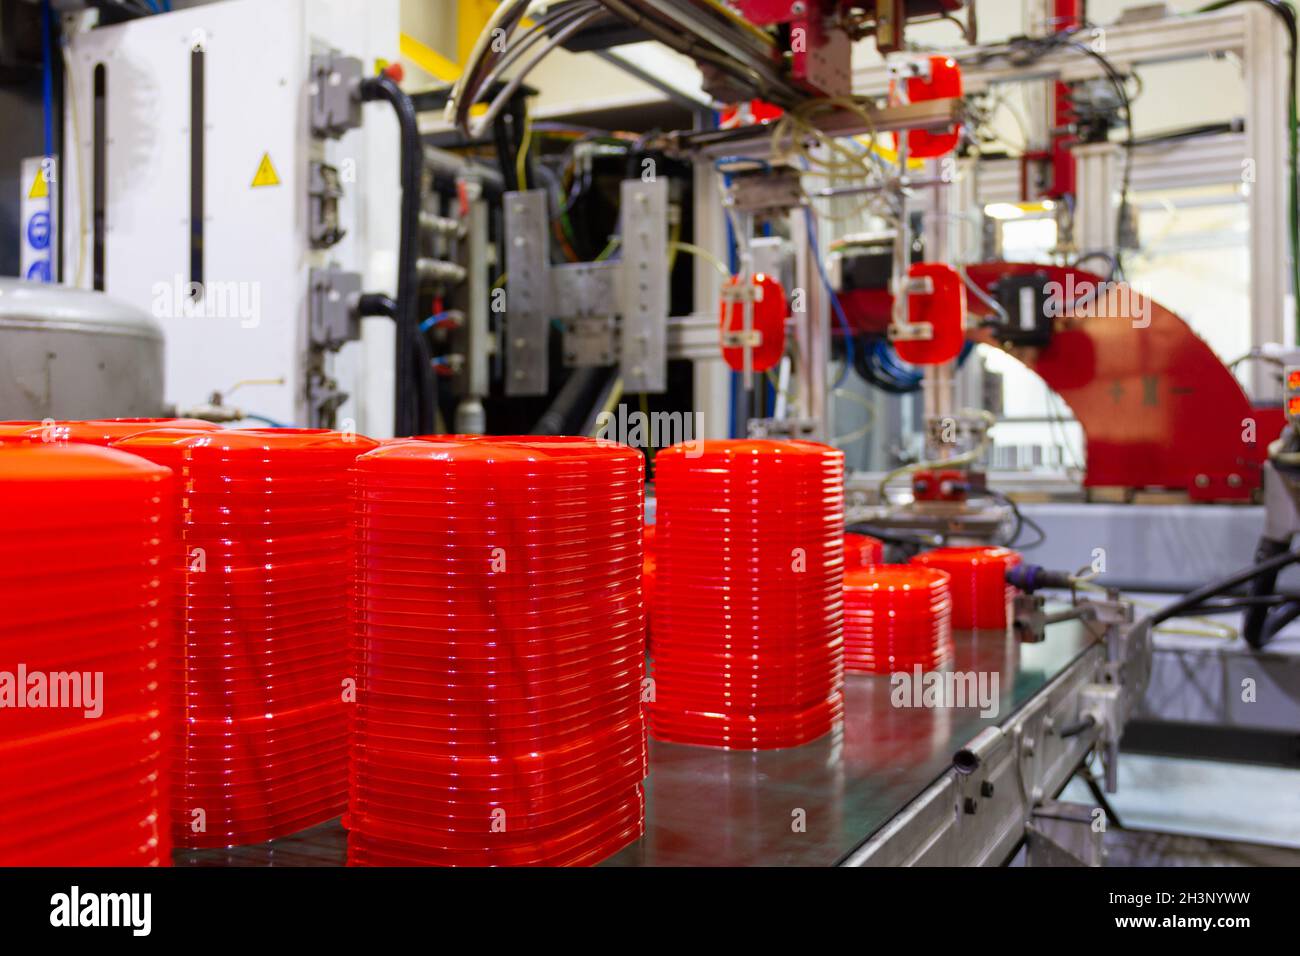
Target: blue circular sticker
{"points": [[38, 230], [39, 271]]}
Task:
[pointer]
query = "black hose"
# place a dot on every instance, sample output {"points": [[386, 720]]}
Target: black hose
{"points": [[1078, 727], [555, 419], [1201, 594], [414, 379], [376, 303], [505, 151], [1098, 795], [1277, 619], [1257, 617]]}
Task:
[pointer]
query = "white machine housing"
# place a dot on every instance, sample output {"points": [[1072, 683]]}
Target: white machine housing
{"points": [[250, 321]]}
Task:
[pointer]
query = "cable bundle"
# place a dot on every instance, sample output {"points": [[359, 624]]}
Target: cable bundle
{"points": [[500, 652], [259, 684], [862, 551], [896, 618], [80, 723], [748, 619], [981, 597]]}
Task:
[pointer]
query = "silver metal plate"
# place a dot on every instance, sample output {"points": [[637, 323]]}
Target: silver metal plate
{"points": [[591, 342], [527, 293], [644, 292], [584, 289]]}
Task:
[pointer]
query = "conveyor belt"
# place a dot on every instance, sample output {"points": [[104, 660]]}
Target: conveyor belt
{"points": [[707, 807]]}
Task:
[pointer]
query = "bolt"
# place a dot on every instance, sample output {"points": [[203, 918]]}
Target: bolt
{"points": [[1234, 481], [969, 805], [986, 788], [1202, 481]]}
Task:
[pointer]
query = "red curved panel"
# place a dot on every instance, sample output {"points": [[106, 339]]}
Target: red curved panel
{"points": [[1157, 406]]}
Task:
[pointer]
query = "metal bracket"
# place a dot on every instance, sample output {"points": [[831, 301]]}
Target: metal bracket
{"points": [[740, 340], [324, 190], [527, 293], [582, 290], [590, 342], [335, 89], [784, 428], [644, 288], [771, 191], [1030, 620], [911, 332], [332, 316]]}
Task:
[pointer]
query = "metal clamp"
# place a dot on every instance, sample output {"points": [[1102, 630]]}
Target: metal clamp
{"points": [[335, 89], [332, 314]]}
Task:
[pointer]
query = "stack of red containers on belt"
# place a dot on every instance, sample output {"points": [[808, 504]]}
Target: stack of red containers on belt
{"points": [[748, 620], [648, 581], [500, 653], [896, 618], [260, 684], [99, 431], [981, 597], [862, 551], [81, 579]]}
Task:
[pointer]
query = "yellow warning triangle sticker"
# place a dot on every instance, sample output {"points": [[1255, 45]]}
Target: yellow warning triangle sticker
{"points": [[40, 188], [266, 175]]}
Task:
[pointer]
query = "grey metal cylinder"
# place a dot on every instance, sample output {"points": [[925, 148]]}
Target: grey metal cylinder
{"points": [[71, 353]]}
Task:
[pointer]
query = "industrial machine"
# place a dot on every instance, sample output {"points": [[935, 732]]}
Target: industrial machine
{"points": [[804, 248]]}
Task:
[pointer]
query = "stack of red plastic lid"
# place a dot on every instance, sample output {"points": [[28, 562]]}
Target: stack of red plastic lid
{"points": [[19, 432], [862, 551], [648, 580], [896, 618], [98, 431], [81, 771], [500, 653], [261, 683], [749, 578], [981, 597]]}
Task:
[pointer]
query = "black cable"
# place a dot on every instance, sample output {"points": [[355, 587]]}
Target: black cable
{"points": [[1091, 782], [376, 303], [1257, 618], [1078, 727], [505, 150], [1277, 619], [1190, 132], [414, 386], [1110, 260], [1265, 602], [1022, 521], [916, 540], [1214, 589]]}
